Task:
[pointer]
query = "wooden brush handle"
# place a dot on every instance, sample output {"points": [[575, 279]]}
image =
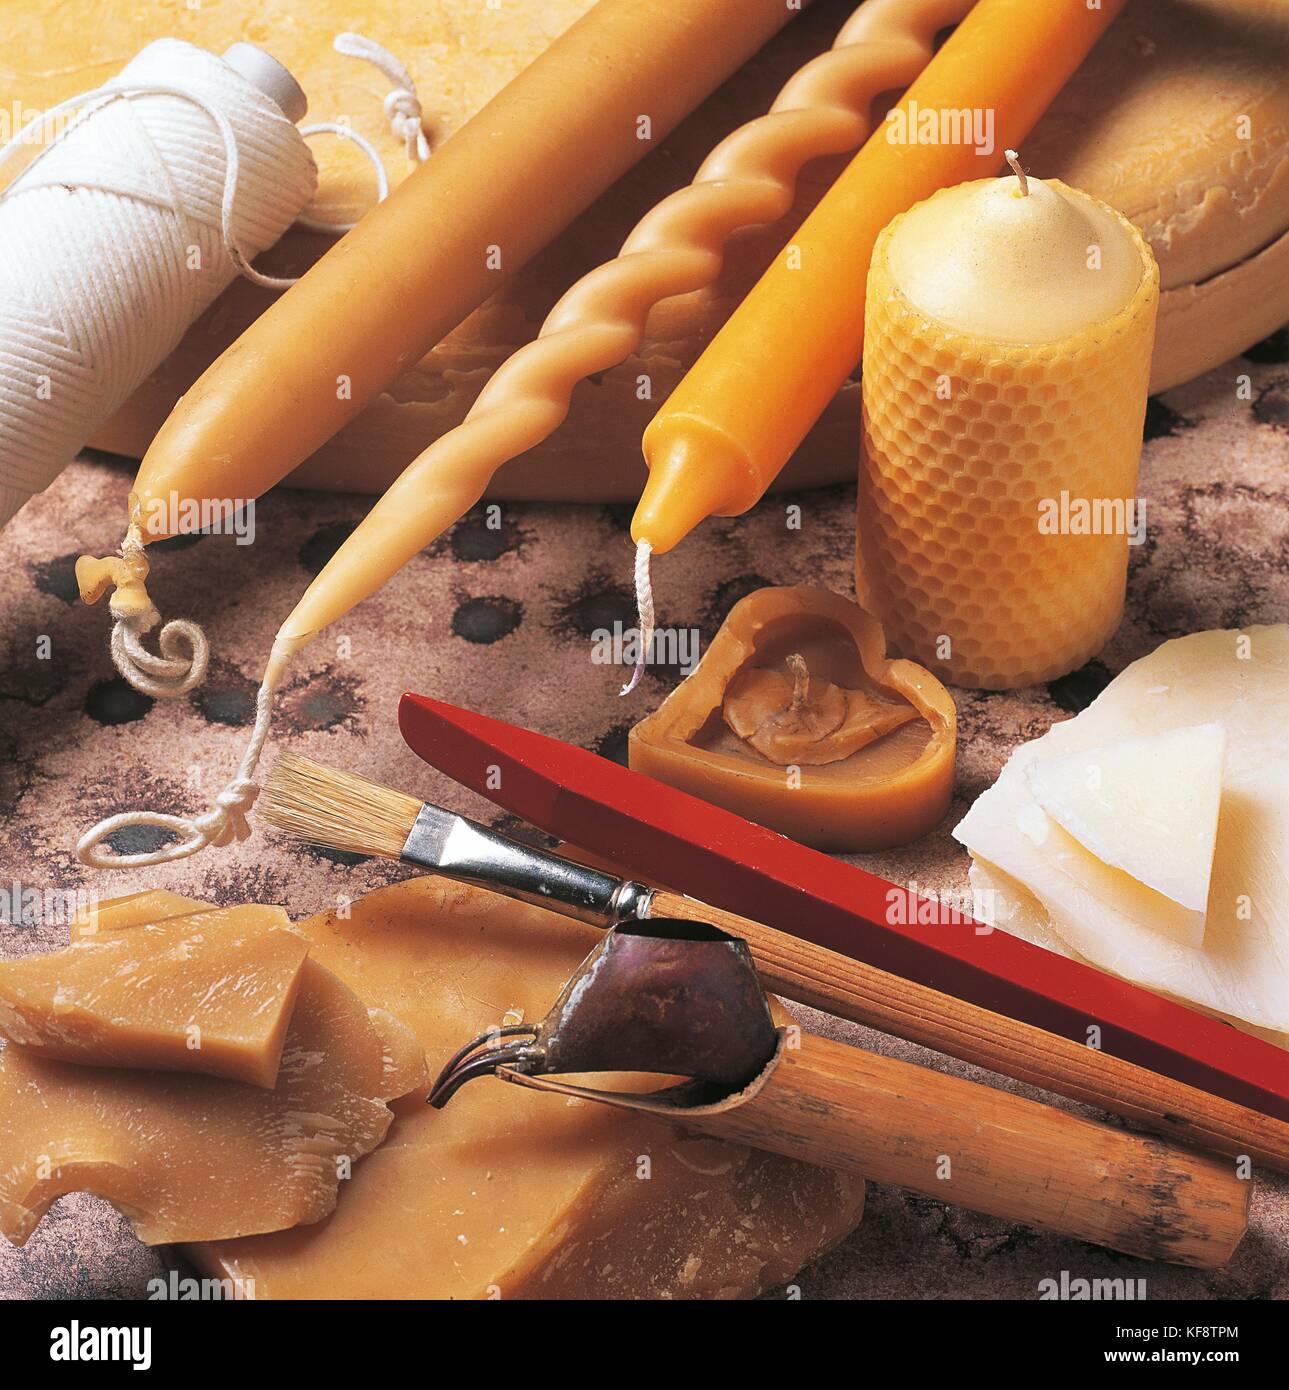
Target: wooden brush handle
{"points": [[852, 990], [993, 1152]]}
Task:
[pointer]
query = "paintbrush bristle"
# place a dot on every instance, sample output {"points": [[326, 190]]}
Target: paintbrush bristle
{"points": [[326, 806]]}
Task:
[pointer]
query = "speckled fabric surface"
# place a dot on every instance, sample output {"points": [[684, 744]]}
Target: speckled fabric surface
{"points": [[501, 619]]}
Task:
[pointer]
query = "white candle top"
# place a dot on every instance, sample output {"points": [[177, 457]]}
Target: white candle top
{"points": [[1033, 266]]}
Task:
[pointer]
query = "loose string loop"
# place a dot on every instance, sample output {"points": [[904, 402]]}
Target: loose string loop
{"points": [[402, 106], [223, 824]]}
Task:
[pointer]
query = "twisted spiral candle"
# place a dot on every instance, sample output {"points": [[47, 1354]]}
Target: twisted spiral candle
{"points": [[677, 248]]}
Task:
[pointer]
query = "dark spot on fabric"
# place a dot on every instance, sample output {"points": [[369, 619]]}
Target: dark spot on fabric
{"points": [[1272, 349], [472, 540], [729, 592], [57, 578], [1272, 405], [322, 709], [140, 839], [487, 619], [31, 679], [321, 702], [619, 514], [516, 828], [15, 779], [613, 744], [116, 702], [595, 607], [1162, 420], [323, 544], [1075, 692], [227, 697]]}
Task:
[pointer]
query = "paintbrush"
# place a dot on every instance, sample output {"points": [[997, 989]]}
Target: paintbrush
{"points": [[347, 812], [344, 811]]}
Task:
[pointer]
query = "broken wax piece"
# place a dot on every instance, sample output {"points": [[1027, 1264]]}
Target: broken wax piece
{"points": [[1148, 806], [1051, 889], [135, 909], [191, 1157], [210, 993], [511, 1194], [865, 759], [402, 1057]]}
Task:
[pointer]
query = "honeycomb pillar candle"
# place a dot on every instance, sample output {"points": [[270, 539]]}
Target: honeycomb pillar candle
{"points": [[795, 719], [1008, 332]]}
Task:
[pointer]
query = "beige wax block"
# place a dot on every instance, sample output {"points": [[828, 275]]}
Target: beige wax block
{"points": [[211, 992], [509, 1193], [192, 1157]]}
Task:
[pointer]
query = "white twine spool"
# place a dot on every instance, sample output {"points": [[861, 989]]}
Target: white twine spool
{"points": [[120, 233]]}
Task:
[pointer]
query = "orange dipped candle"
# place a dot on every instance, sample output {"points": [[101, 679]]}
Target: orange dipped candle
{"points": [[735, 420]]}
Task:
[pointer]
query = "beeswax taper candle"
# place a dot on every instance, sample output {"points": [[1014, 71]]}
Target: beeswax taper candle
{"points": [[598, 100], [733, 422], [1006, 361]]}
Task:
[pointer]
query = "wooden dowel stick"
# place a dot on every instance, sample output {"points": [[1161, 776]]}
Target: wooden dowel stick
{"points": [[822, 979]]}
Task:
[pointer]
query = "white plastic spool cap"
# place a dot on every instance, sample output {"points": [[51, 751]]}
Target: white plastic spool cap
{"points": [[265, 72]]}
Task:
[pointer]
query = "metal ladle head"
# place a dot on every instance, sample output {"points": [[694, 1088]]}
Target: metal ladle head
{"points": [[673, 997]]}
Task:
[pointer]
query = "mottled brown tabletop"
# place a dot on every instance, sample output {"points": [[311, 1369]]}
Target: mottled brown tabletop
{"points": [[502, 619]]}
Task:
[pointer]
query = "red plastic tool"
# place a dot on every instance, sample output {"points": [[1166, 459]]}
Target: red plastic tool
{"points": [[656, 832]]}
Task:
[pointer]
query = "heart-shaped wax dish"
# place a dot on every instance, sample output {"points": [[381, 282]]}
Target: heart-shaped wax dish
{"points": [[796, 719]]}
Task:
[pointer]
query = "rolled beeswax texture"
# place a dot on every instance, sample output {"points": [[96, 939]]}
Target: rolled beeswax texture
{"points": [[949, 537]]}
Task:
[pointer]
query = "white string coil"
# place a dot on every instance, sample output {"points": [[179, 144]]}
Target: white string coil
{"points": [[119, 233], [181, 665], [165, 184]]}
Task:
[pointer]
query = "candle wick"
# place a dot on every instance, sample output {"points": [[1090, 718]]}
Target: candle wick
{"points": [[644, 608], [800, 680], [1014, 160]]}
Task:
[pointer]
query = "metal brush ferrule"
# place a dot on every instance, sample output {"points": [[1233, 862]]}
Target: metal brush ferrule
{"points": [[460, 849]]}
